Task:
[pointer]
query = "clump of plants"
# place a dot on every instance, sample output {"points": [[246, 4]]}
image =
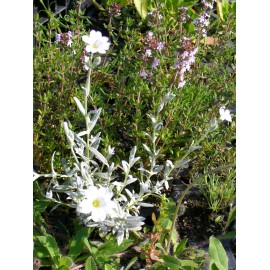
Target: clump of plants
{"points": [[131, 100]]}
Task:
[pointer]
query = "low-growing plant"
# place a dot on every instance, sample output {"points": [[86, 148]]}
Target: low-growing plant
{"points": [[146, 112], [101, 201], [219, 190]]}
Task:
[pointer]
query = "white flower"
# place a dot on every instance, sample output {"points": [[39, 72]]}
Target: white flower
{"points": [[96, 201], [225, 114], [96, 42]]}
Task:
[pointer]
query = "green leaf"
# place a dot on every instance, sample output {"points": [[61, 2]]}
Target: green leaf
{"points": [[216, 266], [174, 262], [41, 252], [217, 252], [65, 260], [108, 267], [180, 247], [158, 266], [50, 244], [219, 10], [111, 247], [91, 249], [90, 264], [132, 261], [142, 7], [228, 235], [38, 207], [232, 216], [63, 267], [77, 242]]}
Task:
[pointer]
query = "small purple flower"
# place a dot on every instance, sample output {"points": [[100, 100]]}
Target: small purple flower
{"points": [[143, 74], [58, 37], [149, 34], [177, 64], [185, 54], [160, 46], [155, 63], [148, 53], [193, 52], [207, 4], [181, 84]]}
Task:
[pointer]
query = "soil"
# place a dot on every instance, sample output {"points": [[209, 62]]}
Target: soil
{"points": [[198, 221]]}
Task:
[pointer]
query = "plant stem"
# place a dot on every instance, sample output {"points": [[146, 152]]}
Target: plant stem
{"points": [[196, 181], [86, 94]]}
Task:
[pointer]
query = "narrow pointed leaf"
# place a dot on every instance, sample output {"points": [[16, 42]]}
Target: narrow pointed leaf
{"points": [[80, 106], [50, 244], [77, 244], [99, 156], [180, 247], [92, 123]]}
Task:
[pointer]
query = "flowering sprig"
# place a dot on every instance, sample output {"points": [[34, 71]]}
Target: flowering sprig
{"points": [[184, 59], [64, 38]]}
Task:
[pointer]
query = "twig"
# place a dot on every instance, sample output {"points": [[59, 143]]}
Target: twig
{"points": [[77, 266]]}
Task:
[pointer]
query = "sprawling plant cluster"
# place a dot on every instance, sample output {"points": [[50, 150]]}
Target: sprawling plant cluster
{"points": [[92, 186], [109, 192]]}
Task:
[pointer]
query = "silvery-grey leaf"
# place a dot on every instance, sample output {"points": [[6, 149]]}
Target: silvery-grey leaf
{"points": [[80, 106], [79, 140], [69, 133], [102, 175], [160, 107], [131, 195], [65, 165], [124, 198], [109, 223], [132, 154], [158, 126], [130, 180], [147, 135], [147, 149], [82, 133], [152, 117], [96, 61], [143, 170], [157, 169], [134, 161], [99, 156], [125, 166], [195, 148], [168, 97], [135, 218], [213, 124], [95, 140], [145, 204], [181, 163], [93, 121], [35, 175]]}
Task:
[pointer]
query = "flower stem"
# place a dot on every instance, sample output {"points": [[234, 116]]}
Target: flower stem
{"points": [[86, 94]]}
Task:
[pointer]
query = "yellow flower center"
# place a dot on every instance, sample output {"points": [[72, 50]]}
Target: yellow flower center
{"points": [[96, 203], [95, 45]]}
